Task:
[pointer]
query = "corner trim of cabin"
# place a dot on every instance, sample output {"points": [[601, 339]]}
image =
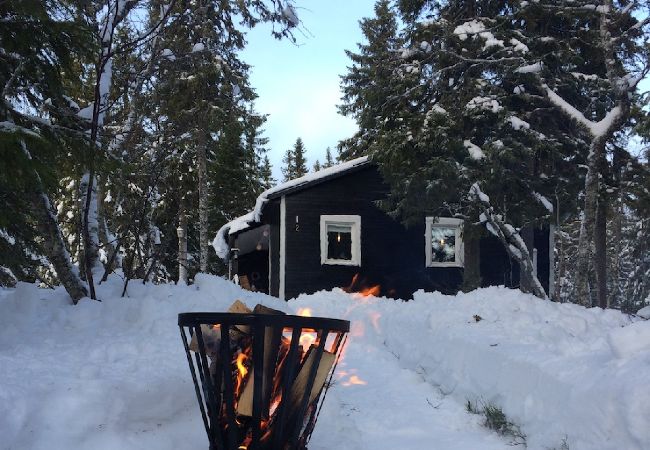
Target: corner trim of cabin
{"points": [[283, 246], [447, 222], [355, 245]]}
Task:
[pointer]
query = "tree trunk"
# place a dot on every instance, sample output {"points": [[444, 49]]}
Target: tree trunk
{"points": [[600, 255], [107, 240], [54, 245], [526, 282], [181, 231], [472, 270], [511, 240], [203, 203], [587, 225]]}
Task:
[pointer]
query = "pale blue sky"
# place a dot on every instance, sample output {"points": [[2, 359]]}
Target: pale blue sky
{"points": [[298, 85]]}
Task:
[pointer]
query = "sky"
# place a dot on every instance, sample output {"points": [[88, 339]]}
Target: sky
{"points": [[298, 84]]}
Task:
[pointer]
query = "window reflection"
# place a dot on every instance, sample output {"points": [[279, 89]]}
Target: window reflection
{"points": [[443, 244]]}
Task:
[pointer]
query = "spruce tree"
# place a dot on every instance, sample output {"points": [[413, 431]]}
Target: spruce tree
{"points": [[295, 163], [371, 81], [329, 159], [499, 101], [40, 135]]}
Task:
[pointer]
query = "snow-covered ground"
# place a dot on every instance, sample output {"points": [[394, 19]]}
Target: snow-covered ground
{"points": [[113, 375]]}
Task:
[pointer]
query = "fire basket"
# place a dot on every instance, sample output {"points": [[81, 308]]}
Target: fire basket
{"points": [[261, 377]]}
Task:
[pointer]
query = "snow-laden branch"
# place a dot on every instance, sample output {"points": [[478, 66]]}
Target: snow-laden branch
{"points": [[509, 237], [597, 129]]}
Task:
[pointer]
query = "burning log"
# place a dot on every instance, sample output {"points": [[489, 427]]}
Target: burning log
{"points": [[270, 347]]}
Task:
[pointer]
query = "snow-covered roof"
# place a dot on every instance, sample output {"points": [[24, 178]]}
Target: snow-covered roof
{"points": [[220, 242]]}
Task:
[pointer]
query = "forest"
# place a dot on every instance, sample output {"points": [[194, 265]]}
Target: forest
{"points": [[129, 133]]}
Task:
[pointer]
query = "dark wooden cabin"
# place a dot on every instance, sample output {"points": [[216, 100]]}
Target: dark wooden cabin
{"points": [[322, 231]]}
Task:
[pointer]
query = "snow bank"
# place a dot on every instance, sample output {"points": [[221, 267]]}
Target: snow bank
{"points": [[560, 371], [113, 374]]}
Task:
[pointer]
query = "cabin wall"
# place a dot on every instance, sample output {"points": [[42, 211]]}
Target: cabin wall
{"points": [[392, 256]]}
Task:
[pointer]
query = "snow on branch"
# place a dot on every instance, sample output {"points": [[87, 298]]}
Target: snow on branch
{"points": [[597, 129], [509, 237]]}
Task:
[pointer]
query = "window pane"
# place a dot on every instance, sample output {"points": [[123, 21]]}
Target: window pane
{"points": [[339, 241], [443, 244]]}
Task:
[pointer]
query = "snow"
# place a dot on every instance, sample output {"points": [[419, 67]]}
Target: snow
{"points": [[531, 68], [519, 46], [474, 150], [220, 242], [113, 374], [544, 201], [596, 129], [168, 54], [644, 312], [198, 47], [486, 103], [518, 124], [289, 13], [7, 237], [475, 28]]}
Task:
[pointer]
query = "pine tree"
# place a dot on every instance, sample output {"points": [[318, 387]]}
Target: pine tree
{"points": [[316, 167], [295, 163], [329, 160], [39, 128], [480, 101], [371, 80]]}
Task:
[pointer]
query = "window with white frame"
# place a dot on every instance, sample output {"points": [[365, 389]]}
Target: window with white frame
{"points": [[444, 242], [340, 240]]}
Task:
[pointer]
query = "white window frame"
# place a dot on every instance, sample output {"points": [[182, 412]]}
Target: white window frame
{"points": [[355, 223], [445, 222]]}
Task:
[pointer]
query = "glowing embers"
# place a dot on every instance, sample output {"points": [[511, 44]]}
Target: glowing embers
{"points": [[260, 375]]}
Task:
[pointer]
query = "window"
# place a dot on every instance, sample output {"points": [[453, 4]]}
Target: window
{"points": [[340, 240], [444, 242]]}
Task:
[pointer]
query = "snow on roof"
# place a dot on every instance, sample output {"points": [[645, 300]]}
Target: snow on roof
{"points": [[220, 242]]}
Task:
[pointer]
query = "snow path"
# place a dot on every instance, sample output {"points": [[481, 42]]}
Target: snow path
{"points": [[395, 409]]}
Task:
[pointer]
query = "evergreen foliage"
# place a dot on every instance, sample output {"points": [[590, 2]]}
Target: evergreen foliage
{"points": [[161, 90], [295, 162], [490, 110]]}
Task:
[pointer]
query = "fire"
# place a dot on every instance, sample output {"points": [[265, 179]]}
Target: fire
{"points": [[367, 292], [305, 312], [354, 380], [350, 378], [360, 289], [307, 339], [242, 371]]}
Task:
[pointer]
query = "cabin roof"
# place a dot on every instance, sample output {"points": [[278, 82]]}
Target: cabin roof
{"points": [[254, 217]]}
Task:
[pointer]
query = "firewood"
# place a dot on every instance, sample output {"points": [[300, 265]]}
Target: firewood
{"points": [[300, 383], [211, 339], [272, 336], [212, 333]]}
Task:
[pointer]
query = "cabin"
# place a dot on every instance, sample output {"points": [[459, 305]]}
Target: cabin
{"points": [[325, 230]]}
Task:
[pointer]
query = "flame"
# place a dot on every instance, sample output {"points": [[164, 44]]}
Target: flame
{"points": [[371, 291], [307, 338], [359, 288], [305, 312], [354, 380], [242, 371]]}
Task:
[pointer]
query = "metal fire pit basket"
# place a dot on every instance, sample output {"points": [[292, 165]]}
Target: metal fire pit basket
{"points": [[290, 423]]}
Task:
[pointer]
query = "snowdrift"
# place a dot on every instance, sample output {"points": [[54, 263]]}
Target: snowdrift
{"points": [[113, 374]]}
